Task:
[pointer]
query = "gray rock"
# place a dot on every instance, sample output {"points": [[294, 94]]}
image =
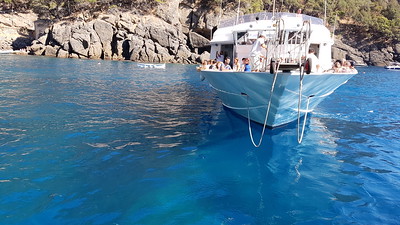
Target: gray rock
{"points": [[109, 18], [107, 51], [62, 53], [160, 35], [169, 12], [37, 49], [197, 41], [80, 47], [74, 56], [204, 56], [343, 51], [174, 46], [338, 53], [128, 26], [104, 30], [150, 50], [135, 45], [43, 39], [61, 33], [183, 54], [377, 58], [397, 48], [120, 35], [163, 54], [118, 54], [51, 51], [95, 49], [80, 39], [211, 20], [141, 31], [143, 57]]}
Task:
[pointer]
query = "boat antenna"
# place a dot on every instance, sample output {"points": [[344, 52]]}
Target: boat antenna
{"points": [[220, 13], [325, 12], [334, 27], [273, 9], [238, 12]]}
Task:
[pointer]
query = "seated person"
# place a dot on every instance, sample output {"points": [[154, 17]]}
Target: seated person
{"points": [[204, 65], [246, 66], [226, 65], [212, 65], [218, 66], [337, 66], [236, 65]]}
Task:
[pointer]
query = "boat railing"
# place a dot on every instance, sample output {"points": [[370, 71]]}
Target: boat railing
{"points": [[289, 47], [267, 16]]}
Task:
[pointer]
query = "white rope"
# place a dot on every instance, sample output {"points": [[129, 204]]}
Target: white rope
{"points": [[243, 108], [314, 96], [266, 114], [300, 136], [226, 92]]}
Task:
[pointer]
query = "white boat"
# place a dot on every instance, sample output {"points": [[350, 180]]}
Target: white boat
{"points": [[285, 91], [393, 66], [7, 51], [152, 65]]}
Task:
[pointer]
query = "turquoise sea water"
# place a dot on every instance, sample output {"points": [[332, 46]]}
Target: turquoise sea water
{"points": [[104, 142]]}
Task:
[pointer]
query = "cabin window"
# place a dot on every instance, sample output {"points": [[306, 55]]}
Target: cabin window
{"points": [[316, 48], [243, 38]]}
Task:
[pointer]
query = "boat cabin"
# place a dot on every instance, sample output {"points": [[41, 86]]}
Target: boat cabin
{"points": [[288, 37]]}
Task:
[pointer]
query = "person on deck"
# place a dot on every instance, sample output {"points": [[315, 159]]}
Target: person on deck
{"points": [[315, 66], [220, 56], [247, 67], [236, 65], [218, 66], [255, 53], [337, 66], [227, 65]]}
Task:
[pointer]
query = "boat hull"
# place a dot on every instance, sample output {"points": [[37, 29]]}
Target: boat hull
{"points": [[249, 93]]}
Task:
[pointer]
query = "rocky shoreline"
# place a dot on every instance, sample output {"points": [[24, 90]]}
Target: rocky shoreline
{"points": [[168, 37]]}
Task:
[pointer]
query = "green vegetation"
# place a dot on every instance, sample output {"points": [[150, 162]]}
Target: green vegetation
{"points": [[57, 9], [376, 18]]}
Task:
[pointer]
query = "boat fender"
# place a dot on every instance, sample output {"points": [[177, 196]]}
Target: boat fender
{"points": [[272, 67], [308, 66]]}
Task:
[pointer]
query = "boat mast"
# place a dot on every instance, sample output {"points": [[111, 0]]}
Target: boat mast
{"points": [[237, 14], [273, 9], [334, 27], [325, 12], [234, 50], [220, 14]]}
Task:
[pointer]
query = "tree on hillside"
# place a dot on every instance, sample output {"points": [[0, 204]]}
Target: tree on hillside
{"points": [[381, 18]]}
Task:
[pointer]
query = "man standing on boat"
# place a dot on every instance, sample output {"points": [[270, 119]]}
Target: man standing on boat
{"points": [[315, 66], [255, 53]]}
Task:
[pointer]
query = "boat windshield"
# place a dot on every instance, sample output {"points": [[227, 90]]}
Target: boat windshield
{"points": [[267, 16]]}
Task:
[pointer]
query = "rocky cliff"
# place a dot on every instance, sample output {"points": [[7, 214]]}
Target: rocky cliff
{"points": [[121, 36], [174, 32]]}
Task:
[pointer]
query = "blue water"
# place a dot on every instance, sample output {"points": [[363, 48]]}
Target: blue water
{"points": [[106, 142]]}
